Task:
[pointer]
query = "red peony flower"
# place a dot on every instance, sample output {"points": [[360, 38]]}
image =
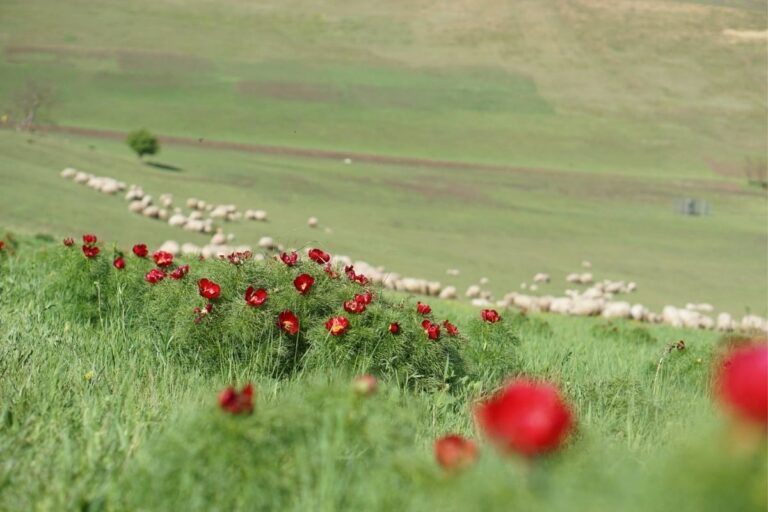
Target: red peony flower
{"points": [[353, 306], [364, 298], [180, 272], [163, 258], [208, 289], [154, 276], [328, 269], [89, 239], [490, 316], [394, 328], [119, 263], [140, 250], [68, 242], [304, 283], [526, 417], [358, 278], [200, 313], [365, 385], [423, 309], [90, 251], [450, 328], [337, 325], [742, 383], [319, 256], [237, 402], [290, 259], [2, 245], [455, 452], [288, 322], [431, 330], [255, 297]]}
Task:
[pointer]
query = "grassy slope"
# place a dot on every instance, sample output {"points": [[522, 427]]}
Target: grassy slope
{"points": [[144, 433], [420, 222], [601, 86]]}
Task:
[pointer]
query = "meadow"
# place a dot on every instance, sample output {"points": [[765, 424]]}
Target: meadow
{"points": [[109, 400], [498, 138]]}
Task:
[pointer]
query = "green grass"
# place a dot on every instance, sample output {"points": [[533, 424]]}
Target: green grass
{"points": [[421, 221], [142, 432], [564, 85]]}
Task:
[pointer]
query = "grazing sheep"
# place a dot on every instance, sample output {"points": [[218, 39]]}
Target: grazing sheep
{"points": [[219, 238], [631, 287], [449, 292], [754, 322], [523, 286], [586, 307], [82, 177], [573, 278], [266, 242], [541, 278], [560, 305], [177, 220], [453, 272], [482, 303], [585, 278], [260, 215], [347, 161], [151, 212], [312, 222], [190, 249], [433, 288], [194, 225], [533, 287], [616, 310], [192, 203], [725, 322], [586, 264], [483, 281], [68, 173], [162, 214], [472, 292], [638, 312], [166, 200], [171, 246], [136, 207]]}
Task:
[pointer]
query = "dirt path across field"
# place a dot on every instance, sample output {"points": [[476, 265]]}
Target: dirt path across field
{"points": [[289, 151]]}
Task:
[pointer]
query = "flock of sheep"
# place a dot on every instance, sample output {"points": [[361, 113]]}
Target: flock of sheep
{"points": [[595, 298]]}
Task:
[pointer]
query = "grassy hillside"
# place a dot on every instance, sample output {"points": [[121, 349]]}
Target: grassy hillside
{"points": [[506, 225], [651, 88], [110, 414]]}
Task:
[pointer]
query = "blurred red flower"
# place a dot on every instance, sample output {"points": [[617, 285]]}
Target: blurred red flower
{"points": [[90, 251], [180, 272], [353, 306], [154, 276], [450, 328], [319, 256], [337, 325], [290, 259], [365, 385], [69, 242], [208, 289], [288, 322], [455, 452], [526, 417], [235, 402], [200, 313], [394, 328], [140, 250], [89, 239], [423, 309], [490, 316], [742, 382], [304, 283], [119, 263], [364, 298], [255, 297], [431, 330], [328, 269], [163, 258]]}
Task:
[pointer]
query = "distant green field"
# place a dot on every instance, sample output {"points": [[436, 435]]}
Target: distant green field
{"points": [[597, 86], [506, 225]]}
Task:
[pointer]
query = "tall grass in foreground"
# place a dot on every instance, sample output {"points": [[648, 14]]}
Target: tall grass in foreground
{"points": [[115, 409]]}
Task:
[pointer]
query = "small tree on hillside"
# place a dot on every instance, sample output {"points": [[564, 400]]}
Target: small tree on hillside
{"points": [[31, 103], [142, 142]]}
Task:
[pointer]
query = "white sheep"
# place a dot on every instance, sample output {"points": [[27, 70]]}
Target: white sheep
{"points": [[472, 292], [541, 277], [725, 322], [171, 246], [266, 242], [449, 292], [616, 310], [68, 173], [312, 222]]}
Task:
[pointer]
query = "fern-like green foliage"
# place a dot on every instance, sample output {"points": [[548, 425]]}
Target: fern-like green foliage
{"points": [[92, 290]]}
